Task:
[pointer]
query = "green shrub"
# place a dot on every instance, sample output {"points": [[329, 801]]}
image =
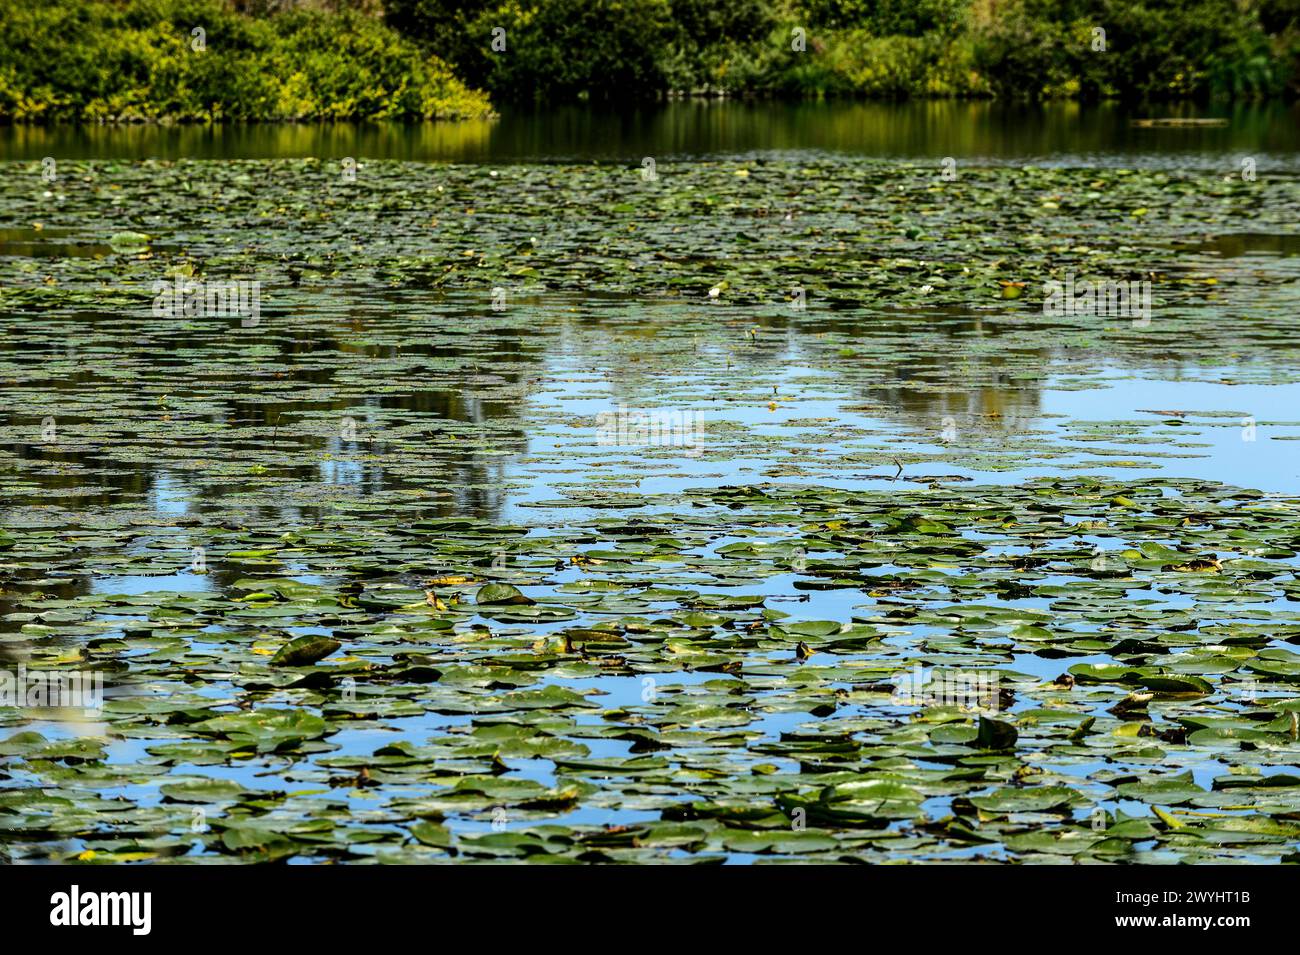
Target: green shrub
{"points": [[131, 59], [888, 17], [1156, 49], [719, 45], [566, 49], [62, 59]]}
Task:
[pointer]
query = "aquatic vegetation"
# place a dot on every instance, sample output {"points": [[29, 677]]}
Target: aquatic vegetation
{"points": [[933, 580], [657, 680]]}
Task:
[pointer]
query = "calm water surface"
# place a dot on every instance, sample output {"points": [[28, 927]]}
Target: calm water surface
{"points": [[1065, 134], [564, 370]]}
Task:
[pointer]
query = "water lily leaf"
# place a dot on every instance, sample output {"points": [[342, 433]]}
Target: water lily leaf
{"points": [[204, 791], [304, 651], [1029, 799], [995, 734], [267, 729], [501, 594]]}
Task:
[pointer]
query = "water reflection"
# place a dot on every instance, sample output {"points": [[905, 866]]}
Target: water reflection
{"points": [[1237, 244], [322, 408], [379, 401], [1059, 133]]}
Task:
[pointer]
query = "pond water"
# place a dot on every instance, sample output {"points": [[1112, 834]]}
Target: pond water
{"points": [[968, 131], [751, 504]]}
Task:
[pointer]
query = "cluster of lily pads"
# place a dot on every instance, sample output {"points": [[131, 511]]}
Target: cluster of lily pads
{"points": [[362, 585], [654, 684]]}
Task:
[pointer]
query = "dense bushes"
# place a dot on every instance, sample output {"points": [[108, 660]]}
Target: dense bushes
{"points": [[1153, 50], [1008, 48], [363, 59], [100, 60], [563, 48]]}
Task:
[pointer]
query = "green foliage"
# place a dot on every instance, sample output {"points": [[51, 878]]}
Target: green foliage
{"points": [[720, 45], [61, 59], [443, 26], [1156, 49], [563, 49], [857, 62], [554, 49], [889, 17], [271, 59]]}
